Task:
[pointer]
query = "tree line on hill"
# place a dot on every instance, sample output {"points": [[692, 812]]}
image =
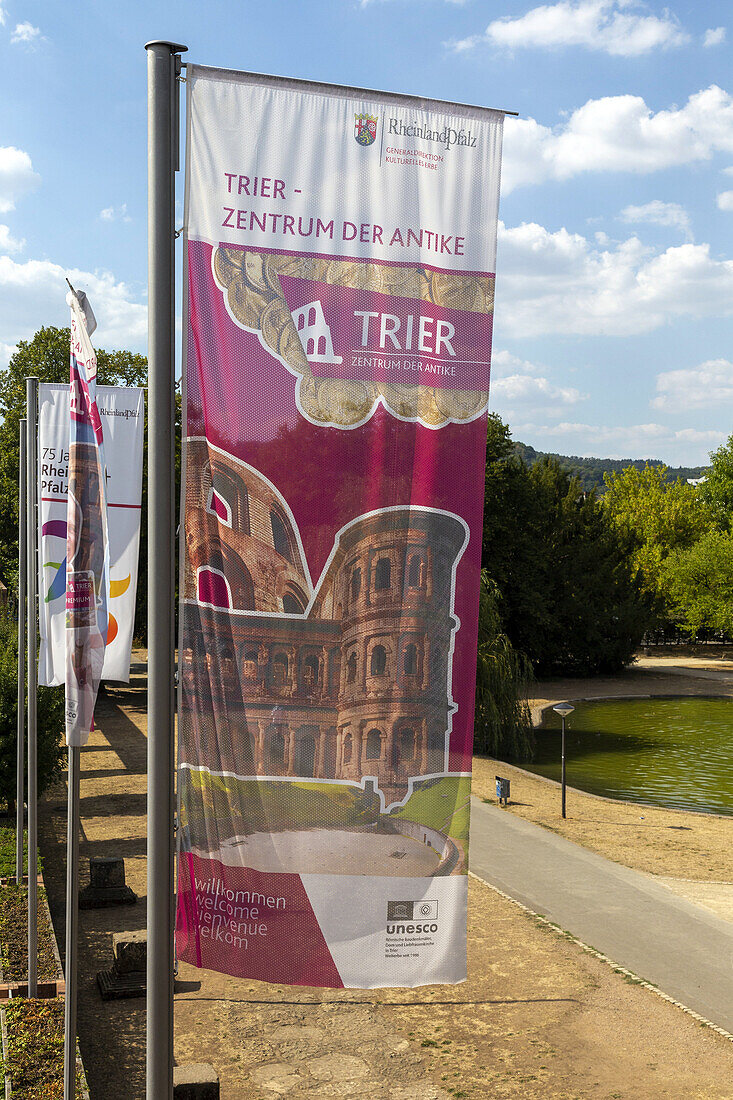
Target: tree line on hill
{"points": [[592, 472], [572, 577]]}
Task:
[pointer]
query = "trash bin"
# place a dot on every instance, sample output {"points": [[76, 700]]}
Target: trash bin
{"points": [[502, 790]]}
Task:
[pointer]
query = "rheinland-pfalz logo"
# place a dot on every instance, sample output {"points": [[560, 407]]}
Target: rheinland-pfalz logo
{"points": [[365, 129], [410, 917]]}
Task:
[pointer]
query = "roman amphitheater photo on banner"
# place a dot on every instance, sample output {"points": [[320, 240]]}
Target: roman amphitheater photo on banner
{"points": [[342, 693]]}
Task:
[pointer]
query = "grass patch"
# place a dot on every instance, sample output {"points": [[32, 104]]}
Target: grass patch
{"points": [[35, 1060], [440, 804], [7, 851], [14, 936], [244, 806]]}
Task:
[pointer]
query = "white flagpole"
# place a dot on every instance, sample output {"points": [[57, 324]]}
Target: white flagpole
{"points": [[20, 763], [31, 389], [163, 68]]}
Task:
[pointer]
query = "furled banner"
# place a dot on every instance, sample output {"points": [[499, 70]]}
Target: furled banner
{"points": [[87, 541], [123, 413], [340, 255]]}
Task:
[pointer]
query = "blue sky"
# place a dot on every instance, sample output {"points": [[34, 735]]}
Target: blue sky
{"points": [[615, 264]]}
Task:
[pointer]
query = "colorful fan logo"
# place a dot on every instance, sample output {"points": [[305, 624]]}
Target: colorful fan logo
{"points": [[57, 528]]}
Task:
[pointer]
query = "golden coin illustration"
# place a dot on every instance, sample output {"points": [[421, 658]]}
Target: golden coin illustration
{"points": [[305, 267], [402, 400], [290, 347], [427, 408], [360, 276], [227, 265], [345, 403], [404, 282], [246, 304], [460, 404], [457, 292], [273, 322], [487, 288], [254, 271], [272, 264], [308, 398]]}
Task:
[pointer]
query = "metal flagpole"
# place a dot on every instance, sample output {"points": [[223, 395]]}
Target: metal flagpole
{"points": [[31, 391], [20, 771], [163, 69], [72, 922]]}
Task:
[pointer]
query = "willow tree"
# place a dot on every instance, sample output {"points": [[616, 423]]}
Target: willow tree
{"points": [[503, 725]]}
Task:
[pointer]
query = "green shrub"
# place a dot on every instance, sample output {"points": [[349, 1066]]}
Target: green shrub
{"points": [[50, 709]]}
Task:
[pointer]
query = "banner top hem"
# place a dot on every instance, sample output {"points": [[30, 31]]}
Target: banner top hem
{"points": [[344, 91]]}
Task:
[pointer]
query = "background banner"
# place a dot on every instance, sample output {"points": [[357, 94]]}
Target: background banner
{"points": [[341, 249], [122, 412]]}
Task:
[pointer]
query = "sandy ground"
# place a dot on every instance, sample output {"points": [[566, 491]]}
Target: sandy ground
{"points": [[538, 1017]]}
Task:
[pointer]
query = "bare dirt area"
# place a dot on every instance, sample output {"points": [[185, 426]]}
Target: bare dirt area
{"points": [[538, 1017]]}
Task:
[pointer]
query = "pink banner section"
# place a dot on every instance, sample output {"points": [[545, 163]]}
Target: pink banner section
{"points": [[239, 921], [80, 592], [368, 336]]}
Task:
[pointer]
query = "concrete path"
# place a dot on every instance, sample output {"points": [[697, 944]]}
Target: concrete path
{"points": [[679, 947]]}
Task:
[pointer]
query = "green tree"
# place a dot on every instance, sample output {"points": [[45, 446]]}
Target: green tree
{"points": [[511, 552], [699, 581], [50, 721], [503, 726], [567, 598], [717, 488], [594, 611], [655, 517]]}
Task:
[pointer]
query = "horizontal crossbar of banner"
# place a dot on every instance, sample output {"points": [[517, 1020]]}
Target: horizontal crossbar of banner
{"points": [[344, 90]]}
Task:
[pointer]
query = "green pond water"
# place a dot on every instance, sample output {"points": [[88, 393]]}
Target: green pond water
{"points": [[659, 752]]}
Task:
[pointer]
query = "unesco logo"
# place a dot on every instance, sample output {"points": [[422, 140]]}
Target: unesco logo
{"points": [[409, 917]]}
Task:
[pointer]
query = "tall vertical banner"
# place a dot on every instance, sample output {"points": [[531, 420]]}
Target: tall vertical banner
{"points": [[122, 410], [87, 540], [341, 249]]}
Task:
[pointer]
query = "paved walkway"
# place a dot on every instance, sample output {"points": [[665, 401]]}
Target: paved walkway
{"points": [[679, 947]]}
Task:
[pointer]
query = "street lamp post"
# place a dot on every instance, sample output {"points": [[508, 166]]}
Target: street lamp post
{"points": [[563, 709]]}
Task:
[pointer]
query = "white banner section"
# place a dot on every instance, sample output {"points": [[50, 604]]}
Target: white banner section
{"points": [[122, 410]]}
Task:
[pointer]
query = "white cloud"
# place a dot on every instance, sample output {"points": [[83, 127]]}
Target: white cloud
{"points": [[687, 446], [618, 134], [2, 17], [6, 350], [605, 25], [659, 213], [17, 177], [115, 213], [34, 294], [563, 283], [26, 33], [517, 385], [708, 385], [725, 200], [714, 36], [9, 243]]}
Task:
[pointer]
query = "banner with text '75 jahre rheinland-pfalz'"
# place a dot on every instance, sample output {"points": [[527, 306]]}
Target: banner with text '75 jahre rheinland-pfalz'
{"points": [[122, 412], [340, 257]]}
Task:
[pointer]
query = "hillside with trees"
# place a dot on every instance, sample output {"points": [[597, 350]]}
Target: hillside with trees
{"points": [[591, 472]]}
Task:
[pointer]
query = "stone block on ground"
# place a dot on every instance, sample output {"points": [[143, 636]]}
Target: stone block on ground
{"points": [[127, 976], [197, 1081], [130, 951], [106, 884]]}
